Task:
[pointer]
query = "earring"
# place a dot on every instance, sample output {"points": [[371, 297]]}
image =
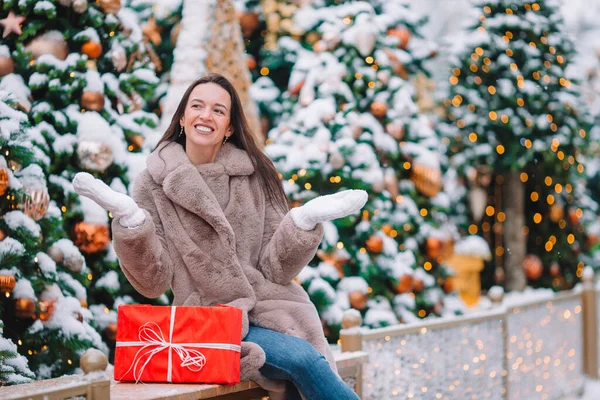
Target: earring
{"points": [[225, 140], [181, 132]]}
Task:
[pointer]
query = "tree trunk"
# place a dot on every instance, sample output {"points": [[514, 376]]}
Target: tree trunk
{"points": [[514, 241]]}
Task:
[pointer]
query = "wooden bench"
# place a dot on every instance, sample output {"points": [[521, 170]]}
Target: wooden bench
{"points": [[96, 385]]}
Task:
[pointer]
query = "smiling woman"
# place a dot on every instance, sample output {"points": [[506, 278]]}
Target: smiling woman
{"points": [[209, 220], [206, 122]]}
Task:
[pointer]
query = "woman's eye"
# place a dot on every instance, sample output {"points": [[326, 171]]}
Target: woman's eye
{"points": [[219, 111]]}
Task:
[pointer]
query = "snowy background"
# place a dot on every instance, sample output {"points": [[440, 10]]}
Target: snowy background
{"points": [[448, 17]]}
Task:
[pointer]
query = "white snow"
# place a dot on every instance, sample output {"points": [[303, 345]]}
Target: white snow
{"points": [[473, 246], [18, 220], [23, 290]]}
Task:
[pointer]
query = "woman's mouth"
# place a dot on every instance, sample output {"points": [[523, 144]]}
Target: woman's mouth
{"points": [[203, 129]]}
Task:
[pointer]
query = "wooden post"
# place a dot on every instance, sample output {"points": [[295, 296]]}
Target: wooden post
{"points": [[590, 324], [94, 360], [351, 340]]}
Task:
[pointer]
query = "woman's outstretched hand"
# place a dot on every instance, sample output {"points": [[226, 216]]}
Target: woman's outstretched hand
{"points": [[325, 208], [123, 208]]}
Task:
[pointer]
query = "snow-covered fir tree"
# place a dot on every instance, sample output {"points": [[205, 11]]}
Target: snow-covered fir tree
{"points": [[350, 116], [13, 366], [43, 310], [516, 122], [82, 73]]}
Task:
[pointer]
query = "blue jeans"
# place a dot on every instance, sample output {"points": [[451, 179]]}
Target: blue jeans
{"points": [[298, 362]]}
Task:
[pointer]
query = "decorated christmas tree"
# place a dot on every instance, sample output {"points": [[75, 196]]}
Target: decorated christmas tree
{"points": [[43, 307], [516, 122], [350, 117], [82, 73]]}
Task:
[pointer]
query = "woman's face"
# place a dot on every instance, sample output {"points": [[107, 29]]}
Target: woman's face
{"points": [[206, 120]]}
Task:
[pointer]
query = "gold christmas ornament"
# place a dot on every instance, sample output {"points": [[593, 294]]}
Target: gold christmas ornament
{"points": [[358, 300], [573, 217], [111, 332], [434, 247], [74, 262], [449, 285], [312, 37], [336, 258], [427, 180], [137, 141], [93, 360], [7, 283], [25, 308], [251, 62], [35, 203], [55, 254], [554, 269], [46, 310], [387, 229], [395, 130], [92, 101], [84, 303], [398, 68], [91, 238], [556, 212], [51, 42], [110, 6], [403, 34], [405, 284], [91, 49], [151, 31], [7, 66], [356, 131], [3, 180], [79, 6], [248, 22], [533, 266], [2, 235], [320, 46], [95, 156], [418, 285], [374, 244], [378, 109]]}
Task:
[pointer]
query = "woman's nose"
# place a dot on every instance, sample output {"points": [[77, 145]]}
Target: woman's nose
{"points": [[205, 113]]}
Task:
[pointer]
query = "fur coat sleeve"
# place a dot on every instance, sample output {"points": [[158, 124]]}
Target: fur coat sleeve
{"points": [[286, 249], [143, 252]]}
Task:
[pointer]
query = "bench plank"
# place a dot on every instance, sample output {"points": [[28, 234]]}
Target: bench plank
{"points": [[178, 391]]}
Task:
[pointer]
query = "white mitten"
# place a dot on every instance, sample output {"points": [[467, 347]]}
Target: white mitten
{"points": [[122, 207], [325, 208]]}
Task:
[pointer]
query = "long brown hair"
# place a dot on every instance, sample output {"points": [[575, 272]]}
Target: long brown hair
{"points": [[242, 138]]}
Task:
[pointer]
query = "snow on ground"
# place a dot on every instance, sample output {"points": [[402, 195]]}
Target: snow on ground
{"points": [[591, 391]]}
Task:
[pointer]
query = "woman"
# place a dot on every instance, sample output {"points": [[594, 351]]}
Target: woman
{"points": [[209, 219]]}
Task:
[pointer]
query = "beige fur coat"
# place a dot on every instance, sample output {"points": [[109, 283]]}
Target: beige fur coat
{"points": [[212, 236]]}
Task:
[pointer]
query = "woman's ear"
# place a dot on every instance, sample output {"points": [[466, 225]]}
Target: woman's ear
{"points": [[181, 121]]}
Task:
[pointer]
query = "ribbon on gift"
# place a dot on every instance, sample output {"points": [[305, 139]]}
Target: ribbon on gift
{"points": [[152, 341]]}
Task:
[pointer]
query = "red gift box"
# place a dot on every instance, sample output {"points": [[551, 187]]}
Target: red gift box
{"points": [[178, 344]]}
